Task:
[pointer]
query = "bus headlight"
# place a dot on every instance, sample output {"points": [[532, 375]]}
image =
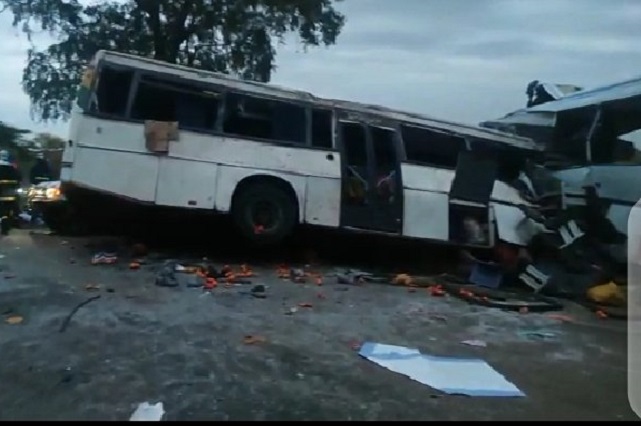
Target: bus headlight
{"points": [[52, 193]]}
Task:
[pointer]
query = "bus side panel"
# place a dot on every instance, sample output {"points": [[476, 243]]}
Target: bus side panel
{"points": [[121, 173], [255, 155], [426, 215], [426, 201], [186, 183], [323, 202], [229, 177]]}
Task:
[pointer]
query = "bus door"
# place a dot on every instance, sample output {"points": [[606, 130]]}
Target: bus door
{"points": [[371, 178], [470, 215]]}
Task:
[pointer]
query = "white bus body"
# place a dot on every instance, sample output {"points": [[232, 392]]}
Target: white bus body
{"points": [[308, 158]]}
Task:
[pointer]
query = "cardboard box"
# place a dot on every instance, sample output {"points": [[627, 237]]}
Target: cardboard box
{"points": [[158, 134]]}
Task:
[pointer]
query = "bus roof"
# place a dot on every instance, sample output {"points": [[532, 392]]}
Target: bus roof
{"points": [[271, 90]]}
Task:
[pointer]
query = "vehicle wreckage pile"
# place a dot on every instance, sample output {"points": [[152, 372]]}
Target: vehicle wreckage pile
{"points": [[582, 190]]}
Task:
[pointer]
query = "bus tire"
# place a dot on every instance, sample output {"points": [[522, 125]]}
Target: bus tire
{"points": [[267, 199]]}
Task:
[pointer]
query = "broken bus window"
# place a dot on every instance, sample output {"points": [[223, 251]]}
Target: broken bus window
{"points": [[165, 100], [322, 128], [428, 147], [264, 119], [112, 92]]}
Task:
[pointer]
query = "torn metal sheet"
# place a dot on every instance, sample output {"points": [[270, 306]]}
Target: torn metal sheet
{"points": [[459, 376], [544, 115], [513, 226]]}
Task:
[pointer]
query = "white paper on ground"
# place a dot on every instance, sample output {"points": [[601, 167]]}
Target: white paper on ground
{"points": [[473, 377], [147, 412]]}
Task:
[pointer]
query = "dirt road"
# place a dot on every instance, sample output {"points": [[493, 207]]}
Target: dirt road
{"points": [[186, 348]]}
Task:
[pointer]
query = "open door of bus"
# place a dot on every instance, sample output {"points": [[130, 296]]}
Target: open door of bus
{"points": [[470, 216], [371, 182]]}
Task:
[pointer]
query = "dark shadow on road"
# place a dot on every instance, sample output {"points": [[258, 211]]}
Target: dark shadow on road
{"points": [[218, 238]]}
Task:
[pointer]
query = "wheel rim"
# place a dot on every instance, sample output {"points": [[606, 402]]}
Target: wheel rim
{"points": [[264, 216]]}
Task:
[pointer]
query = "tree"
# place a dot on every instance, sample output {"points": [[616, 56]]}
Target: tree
{"points": [[230, 36], [48, 141], [9, 138]]}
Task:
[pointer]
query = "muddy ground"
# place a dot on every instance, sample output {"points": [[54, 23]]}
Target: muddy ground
{"points": [[184, 347]]}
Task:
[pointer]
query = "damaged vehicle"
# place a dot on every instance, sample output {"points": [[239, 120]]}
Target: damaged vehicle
{"points": [[149, 135], [588, 138]]}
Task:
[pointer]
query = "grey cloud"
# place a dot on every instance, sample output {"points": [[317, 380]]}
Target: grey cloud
{"points": [[466, 60]]}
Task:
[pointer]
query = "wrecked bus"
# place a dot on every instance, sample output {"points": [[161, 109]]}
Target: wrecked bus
{"points": [[588, 138], [162, 135]]}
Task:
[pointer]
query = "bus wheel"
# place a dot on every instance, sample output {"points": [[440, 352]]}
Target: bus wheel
{"points": [[265, 213]]}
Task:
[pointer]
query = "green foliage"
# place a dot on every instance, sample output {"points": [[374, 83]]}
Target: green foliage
{"points": [[9, 138], [231, 36], [49, 141]]}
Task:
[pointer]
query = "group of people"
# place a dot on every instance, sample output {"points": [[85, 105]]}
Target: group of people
{"points": [[11, 181]]}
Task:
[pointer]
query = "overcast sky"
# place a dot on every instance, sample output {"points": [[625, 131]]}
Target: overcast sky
{"points": [[463, 60]]}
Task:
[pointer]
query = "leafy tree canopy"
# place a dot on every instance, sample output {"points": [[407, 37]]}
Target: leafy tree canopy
{"points": [[231, 36], [49, 141], [10, 136]]}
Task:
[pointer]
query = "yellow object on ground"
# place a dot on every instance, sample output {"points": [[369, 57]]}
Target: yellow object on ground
{"points": [[608, 294]]}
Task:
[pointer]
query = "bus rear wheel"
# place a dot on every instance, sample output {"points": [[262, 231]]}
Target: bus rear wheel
{"points": [[265, 213]]}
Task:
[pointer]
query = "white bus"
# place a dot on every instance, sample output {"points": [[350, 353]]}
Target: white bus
{"points": [[275, 158]]}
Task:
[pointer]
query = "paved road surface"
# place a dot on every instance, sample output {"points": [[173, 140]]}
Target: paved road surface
{"points": [[140, 342]]}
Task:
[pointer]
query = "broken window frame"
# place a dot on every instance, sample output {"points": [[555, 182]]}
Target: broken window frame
{"points": [[464, 145], [306, 106], [169, 79], [93, 91], [332, 129]]}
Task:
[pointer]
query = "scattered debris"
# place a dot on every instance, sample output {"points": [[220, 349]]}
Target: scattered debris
{"points": [[166, 277], [477, 343], [305, 305], [147, 412], [258, 291], [601, 314], [498, 298], [194, 281], [608, 294], [436, 290], [14, 319], [210, 283], [291, 311], [458, 376], [104, 259], [484, 274], [353, 277], [538, 334], [251, 340], [561, 317], [92, 287], [66, 321], [298, 276], [403, 279], [437, 317]]}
